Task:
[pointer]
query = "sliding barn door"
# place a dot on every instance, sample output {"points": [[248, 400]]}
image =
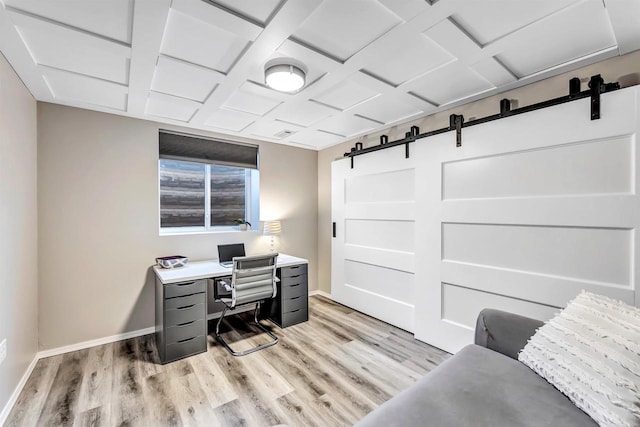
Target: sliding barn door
{"points": [[373, 249], [528, 212]]}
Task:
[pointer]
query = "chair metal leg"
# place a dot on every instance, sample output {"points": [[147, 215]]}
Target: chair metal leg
{"points": [[251, 350]]}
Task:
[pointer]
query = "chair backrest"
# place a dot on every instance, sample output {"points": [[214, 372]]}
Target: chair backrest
{"points": [[253, 279]]}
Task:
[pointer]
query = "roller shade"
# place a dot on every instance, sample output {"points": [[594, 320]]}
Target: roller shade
{"points": [[193, 148]]}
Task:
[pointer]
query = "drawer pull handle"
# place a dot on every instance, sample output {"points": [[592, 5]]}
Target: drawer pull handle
{"points": [[294, 266], [294, 311], [295, 298], [187, 340], [297, 284], [185, 284], [297, 275], [180, 325], [185, 307]]}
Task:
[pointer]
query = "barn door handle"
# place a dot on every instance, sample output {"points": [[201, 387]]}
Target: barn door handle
{"points": [[334, 229]]}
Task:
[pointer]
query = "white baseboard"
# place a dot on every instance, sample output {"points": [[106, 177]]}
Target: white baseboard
{"points": [[92, 343], [16, 392], [321, 293]]}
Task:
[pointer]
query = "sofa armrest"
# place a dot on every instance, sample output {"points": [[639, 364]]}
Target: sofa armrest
{"points": [[506, 333]]}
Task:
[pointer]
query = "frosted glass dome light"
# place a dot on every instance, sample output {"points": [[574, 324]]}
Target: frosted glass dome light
{"points": [[284, 75]]}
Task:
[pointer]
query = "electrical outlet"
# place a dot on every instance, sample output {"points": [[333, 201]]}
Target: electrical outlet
{"points": [[3, 350]]}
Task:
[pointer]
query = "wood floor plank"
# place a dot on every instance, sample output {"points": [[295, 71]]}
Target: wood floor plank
{"points": [[62, 400], [94, 417], [212, 381], [329, 371], [127, 403], [29, 405], [97, 379]]}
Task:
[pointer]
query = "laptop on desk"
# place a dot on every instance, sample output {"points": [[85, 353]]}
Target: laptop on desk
{"points": [[227, 252]]}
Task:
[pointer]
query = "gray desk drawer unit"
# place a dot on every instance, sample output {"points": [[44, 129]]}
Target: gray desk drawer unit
{"points": [[181, 319], [291, 305]]}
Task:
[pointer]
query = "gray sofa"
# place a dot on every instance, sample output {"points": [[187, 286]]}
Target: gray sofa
{"points": [[483, 385]]}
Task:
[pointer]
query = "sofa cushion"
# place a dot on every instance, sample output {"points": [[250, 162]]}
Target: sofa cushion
{"points": [[479, 387], [591, 353]]}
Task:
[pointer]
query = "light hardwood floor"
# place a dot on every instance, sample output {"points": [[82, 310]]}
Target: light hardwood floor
{"points": [[329, 371]]}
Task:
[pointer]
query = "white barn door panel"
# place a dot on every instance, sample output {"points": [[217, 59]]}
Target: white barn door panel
{"points": [[373, 252], [528, 212]]}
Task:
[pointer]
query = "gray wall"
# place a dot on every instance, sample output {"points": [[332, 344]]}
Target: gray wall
{"points": [[18, 229], [98, 219], [625, 69]]}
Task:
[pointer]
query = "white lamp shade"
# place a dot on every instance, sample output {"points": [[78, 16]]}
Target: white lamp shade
{"points": [[271, 228], [284, 75]]}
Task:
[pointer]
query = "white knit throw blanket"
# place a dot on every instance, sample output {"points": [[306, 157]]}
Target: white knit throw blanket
{"points": [[590, 351]]}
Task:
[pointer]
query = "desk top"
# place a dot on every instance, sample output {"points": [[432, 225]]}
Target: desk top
{"points": [[207, 269]]}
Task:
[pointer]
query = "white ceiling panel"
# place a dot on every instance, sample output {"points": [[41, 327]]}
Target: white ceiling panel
{"points": [[346, 95], [371, 64], [303, 114], [418, 56], [273, 129], [493, 71], [248, 99], [406, 9], [190, 39], [387, 109], [452, 38], [78, 88], [346, 124], [259, 11], [448, 83], [487, 21], [343, 27], [314, 138], [182, 79], [235, 121], [67, 49], [110, 19], [547, 43], [171, 107]]}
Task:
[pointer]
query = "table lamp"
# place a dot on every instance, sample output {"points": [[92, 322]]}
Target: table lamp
{"points": [[271, 228]]}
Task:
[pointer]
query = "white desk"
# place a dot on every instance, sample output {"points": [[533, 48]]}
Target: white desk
{"points": [[209, 269], [181, 303]]}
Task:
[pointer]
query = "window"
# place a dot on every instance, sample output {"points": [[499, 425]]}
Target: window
{"points": [[204, 194]]}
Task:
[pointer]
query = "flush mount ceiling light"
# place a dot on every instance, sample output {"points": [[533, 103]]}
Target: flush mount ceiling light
{"points": [[285, 74]]}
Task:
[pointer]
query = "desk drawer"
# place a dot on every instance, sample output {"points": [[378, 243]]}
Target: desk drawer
{"points": [[295, 290], [186, 314], [293, 317], [185, 288], [295, 303], [185, 331], [294, 270], [186, 348], [185, 302], [293, 280]]}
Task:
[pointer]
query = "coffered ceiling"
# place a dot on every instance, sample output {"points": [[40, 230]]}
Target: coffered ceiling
{"points": [[371, 64]]}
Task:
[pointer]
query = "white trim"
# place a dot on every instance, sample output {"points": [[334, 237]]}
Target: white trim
{"points": [[16, 392], [92, 343], [321, 293]]}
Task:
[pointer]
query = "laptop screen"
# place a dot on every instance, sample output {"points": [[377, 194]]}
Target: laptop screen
{"points": [[227, 252]]}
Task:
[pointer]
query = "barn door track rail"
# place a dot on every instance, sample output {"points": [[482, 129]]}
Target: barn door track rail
{"points": [[597, 86]]}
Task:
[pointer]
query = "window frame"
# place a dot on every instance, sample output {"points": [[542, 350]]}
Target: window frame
{"points": [[252, 203]]}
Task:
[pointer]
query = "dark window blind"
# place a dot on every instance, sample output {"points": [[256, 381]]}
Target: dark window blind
{"points": [[192, 148]]}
